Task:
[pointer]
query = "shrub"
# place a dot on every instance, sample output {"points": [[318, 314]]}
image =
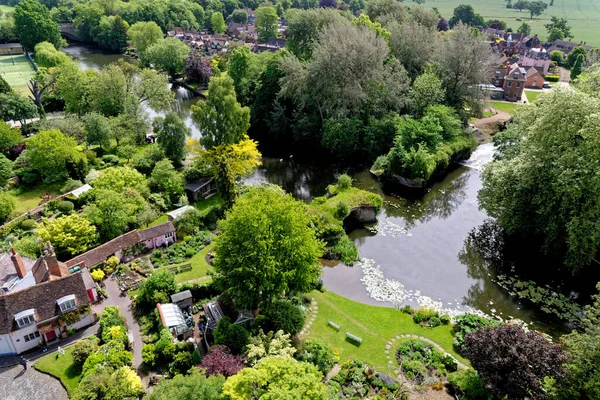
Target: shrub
{"points": [[110, 265], [97, 275], [71, 185], [445, 319], [219, 360], [344, 182], [407, 309], [319, 200], [110, 160], [322, 356], [149, 354], [66, 207], [342, 249], [282, 315], [196, 356], [342, 210], [28, 225], [234, 337], [434, 321], [468, 385], [552, 78], [82, 350], [420, 360], [424, 315], [467, 323]]}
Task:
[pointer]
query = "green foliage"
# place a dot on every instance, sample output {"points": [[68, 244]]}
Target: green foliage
{"points": [[322, 356], [33, 25], [189, 223], [342, 136], [167, 54], [239, 16], [358, 380], [276, 378], [557, 56], [572, 56], [467, 323], [179, 252], [428, 317], [66, 207], [268, 230], [419, 360], [110, 317], [342, 249], [156, 289], [47, 56], [266, 23], [521, 191], [97, 130], [119, 179], [28, 224], [285, 316], [9, 137], [171, 135], [111, 264], [577, 67], [69, 234], [109, 383], [427, 90], [146, 161], [221, 118], [82, 350], [148, 354], [144, 34], [342, 210], [268, 345], [235, 337], [112, 33], [468, 385], [6, 170], [16, 107], [4, 86], [194, 385], [28, 246], [217, 23]]}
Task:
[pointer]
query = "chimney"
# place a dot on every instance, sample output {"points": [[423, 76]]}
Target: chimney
{"points": [[51, 260], [18, 263]]}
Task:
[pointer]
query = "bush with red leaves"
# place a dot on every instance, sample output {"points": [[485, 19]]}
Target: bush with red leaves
{"points": [[512, 362], [219, 360]]}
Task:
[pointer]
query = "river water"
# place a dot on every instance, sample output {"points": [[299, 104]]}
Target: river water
{"points": [[416, 252]]}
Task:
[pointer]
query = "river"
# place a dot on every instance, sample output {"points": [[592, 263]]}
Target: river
{"points": [[417, 249]]}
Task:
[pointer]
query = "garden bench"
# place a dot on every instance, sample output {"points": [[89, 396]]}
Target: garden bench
{"points": [[353, 338], [333, 325], [174, 269], [186, 267]]}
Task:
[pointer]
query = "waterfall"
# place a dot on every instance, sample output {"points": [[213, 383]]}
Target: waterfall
{"points": [[480, 157]]}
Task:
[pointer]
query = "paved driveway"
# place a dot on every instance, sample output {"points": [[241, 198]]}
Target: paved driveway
{"points": [[31, 385]]}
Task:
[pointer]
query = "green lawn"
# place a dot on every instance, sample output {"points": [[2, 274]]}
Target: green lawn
{"points": [[26, 199], [532, 95], [375, 325], [199, 266], [583, 16], [487, 114], [61, 367], [6, 9], [159, 220], [504, 106], [204, 204]]}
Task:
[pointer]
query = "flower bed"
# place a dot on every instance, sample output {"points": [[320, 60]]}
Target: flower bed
{"points": [[423, 364], [180, 252]]}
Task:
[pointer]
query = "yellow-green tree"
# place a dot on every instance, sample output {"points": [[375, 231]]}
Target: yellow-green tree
{"points": [[70, 234]]}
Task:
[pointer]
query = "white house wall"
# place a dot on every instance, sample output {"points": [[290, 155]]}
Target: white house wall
{"points": [[6, 345], [18, 338]]}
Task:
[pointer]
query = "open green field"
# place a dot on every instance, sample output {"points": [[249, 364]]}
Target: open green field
{"points": [[16, 70], [375, 325], [583, 16], [532, 95], [504, 106], [61, 367], [6, 9]]}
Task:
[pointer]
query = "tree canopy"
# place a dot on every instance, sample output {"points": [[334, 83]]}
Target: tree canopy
{"points": [[266, 23], [546, 181], [33, 25], [69, 234], [167, 54], [171, 136], [268, 230], [144, 34]]}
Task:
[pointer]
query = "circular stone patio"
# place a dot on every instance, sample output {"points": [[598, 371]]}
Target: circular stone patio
{"points": [[16, 385]]}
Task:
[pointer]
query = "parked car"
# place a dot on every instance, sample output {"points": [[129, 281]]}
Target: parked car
{"points": [[547, 85]]}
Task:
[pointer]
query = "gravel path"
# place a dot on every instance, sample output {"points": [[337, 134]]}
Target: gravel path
{"points": [[31, 384]]}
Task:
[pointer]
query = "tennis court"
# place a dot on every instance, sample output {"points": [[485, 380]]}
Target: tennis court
{"points": [[16, 70]]}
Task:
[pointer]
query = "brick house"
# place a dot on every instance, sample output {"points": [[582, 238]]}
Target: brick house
{"points": [[514, 83], [534, 79], [41, 300]]}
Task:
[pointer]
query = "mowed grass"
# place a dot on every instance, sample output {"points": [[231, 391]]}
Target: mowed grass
{"points": [[375, 325], [26, 199], [6, 9], [532, 95], [199, 266], [504, 106], [16, 70], [61, 367], [583, 16]]}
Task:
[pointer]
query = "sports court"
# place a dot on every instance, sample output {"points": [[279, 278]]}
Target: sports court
{"points": [[16, 70]]}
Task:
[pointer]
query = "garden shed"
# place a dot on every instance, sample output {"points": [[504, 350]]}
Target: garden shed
{"points": [[173, 319], [183, 299], [173, 215]]}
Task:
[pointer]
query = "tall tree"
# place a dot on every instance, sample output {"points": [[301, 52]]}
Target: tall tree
{"points": [[144, 34], [112, 33], [198, 68], [167, 54], [9, 137], [194, 385], [561, 25], [535, 8], [4, 86], [76, 87], [239, 17], [572, 56], [70, 234], [221, 118], [171, 133], [266, 231], [464, 13], [524, 28], [512, 362], [34, 24], [304, 27], [560, 137], [577, 67], [217, 23], [266, 23], [97, 130], [17, 108]]}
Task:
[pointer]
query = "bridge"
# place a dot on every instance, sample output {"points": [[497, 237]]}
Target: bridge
{"points": [[69, 33]]}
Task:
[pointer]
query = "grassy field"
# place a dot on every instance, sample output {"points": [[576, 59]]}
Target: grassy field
{"points": [[532, 95], [6, 9], [199, 266], [583, 16], [16, 70], [504, 106], [25, 200], [62, 368], [375, 325]]}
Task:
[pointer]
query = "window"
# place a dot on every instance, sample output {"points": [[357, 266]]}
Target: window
{"points": [[509, 83], [28, 320], [535, 78], [31, 336], [516, 75], [168, 235], [518, 85], [67, 303], [497, 74]]}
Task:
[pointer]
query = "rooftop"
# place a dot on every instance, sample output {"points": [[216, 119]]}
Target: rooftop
{"points": [[9, 280], [9, 45], [172, 317], [179, 212], [177, 297], [80, 190]]}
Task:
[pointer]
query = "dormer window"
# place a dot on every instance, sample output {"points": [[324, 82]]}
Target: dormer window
{"points": [[25, 318], [67, 303], [516, 75]]}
